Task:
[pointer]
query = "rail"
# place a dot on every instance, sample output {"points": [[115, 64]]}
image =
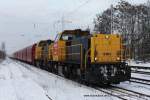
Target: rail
{"points": [[139, 80], [122, 93], [137, 94], [140, 67], [141, 72]]}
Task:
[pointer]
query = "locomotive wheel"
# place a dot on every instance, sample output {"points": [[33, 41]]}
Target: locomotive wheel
{"points": [[65, 71], [52, 67], [49, 67], [37, 64], [55, 68], [44, 64], [73, 72]]}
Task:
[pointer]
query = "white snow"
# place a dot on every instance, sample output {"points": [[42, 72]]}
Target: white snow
{"points": [[142, 64], [141, 88], [143, 70], [138, 63], [13, 86], [141, 76], [19, 81]]}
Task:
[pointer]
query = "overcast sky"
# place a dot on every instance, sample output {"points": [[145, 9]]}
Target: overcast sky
{"points": [[24, 22]]}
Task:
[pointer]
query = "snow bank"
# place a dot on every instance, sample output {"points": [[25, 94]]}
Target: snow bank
{"points": [[19, 81], [13, 86]]}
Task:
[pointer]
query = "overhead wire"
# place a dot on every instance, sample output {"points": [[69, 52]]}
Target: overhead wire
{"points": [[80, 6], [62, 21]]}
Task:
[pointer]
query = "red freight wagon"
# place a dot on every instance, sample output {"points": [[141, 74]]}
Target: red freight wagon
{"points": [[26, 55], [23, 54], [30, 54], [19, 55]]}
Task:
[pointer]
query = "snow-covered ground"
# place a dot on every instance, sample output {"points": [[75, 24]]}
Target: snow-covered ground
{"points": [[141, 76], [19, 81], [137, 63], [142, 64], [137, 87]]}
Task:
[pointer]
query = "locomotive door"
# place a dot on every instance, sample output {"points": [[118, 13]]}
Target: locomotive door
{"points": [[105, 48], [106, 42]]}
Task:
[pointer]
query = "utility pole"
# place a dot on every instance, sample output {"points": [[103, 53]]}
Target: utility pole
{"points": [[54, 25], [3, 46], [112, 19], [3, 50], [62, 23]]}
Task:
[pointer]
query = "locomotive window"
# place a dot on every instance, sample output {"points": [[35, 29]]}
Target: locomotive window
{"points": [[67, 37]]}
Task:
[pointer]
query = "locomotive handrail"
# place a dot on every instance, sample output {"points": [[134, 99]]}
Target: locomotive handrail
{"points": [[81, 57], [74, 45], [73, 54], [86, 55], [68, 46], [69, 54]]}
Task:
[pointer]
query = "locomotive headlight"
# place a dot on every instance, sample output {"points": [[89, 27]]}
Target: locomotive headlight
{"points": [[107, 37], [95, 58], [118, 58]]}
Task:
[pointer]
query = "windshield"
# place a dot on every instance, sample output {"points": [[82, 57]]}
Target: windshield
{"points": [[67, 37]]}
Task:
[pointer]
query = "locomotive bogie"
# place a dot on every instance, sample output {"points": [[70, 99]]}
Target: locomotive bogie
{"points": [[108, 73]]}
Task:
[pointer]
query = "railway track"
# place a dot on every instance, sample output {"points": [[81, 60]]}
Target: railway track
{"points": [[141, 72], [137, 69], [139, 80], [137, 93], [111, 93], [48, 96], [131, 93], [124, 94], [140, 67]]}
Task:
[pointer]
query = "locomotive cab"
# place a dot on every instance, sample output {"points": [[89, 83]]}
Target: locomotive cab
{"points": [[63, 41], [41, 52]]}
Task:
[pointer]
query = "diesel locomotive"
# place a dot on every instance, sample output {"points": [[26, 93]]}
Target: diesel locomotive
{"points": [[94, 58]]}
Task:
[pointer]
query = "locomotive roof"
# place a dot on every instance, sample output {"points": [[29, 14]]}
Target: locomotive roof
{"points": [[77, 31], [45, 42]]}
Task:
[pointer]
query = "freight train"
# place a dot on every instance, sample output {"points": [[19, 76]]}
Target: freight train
{"points": [[76, 54]]}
